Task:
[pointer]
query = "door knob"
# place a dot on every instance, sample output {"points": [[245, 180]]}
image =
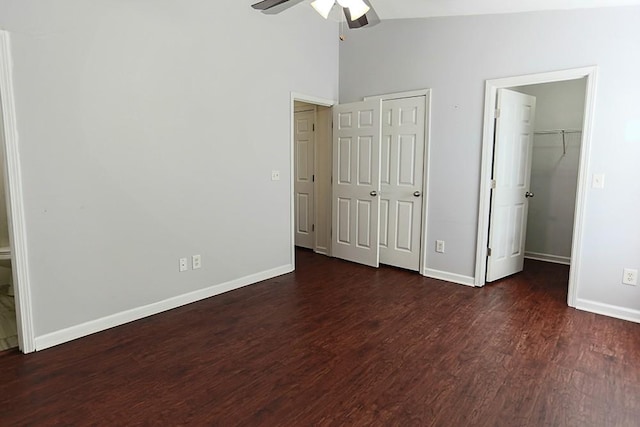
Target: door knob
{"points": [[416, 194], [529, 194], [374, 193]]}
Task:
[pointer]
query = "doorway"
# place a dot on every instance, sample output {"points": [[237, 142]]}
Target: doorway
{"points": [[310, 173], [488, 193], [554, 168], [312, 176], [387, 222]]}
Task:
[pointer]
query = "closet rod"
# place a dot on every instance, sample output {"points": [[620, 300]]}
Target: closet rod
{"points": [[562, 132], [556, 131]]}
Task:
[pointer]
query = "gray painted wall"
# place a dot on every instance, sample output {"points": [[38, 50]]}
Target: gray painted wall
{"points": [[554, 171], [455, 56], [148, 131]]}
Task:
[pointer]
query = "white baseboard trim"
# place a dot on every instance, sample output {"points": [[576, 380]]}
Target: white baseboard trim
{"points": [[322, 251], [608, 310], [449, 277], [548, 258], [68, 334]]}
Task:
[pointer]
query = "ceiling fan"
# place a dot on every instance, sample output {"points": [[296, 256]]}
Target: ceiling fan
{"points": [[354, 10]]}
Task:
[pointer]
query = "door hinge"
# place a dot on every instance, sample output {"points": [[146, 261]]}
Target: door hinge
{"points": [[313, 127], [313, 178], [497, 113], [494, 184], [488, 251], [313, 227]]}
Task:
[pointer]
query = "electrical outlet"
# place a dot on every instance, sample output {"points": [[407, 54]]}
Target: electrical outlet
{"points": [[183, 264], [630, 276], [275, 175], [196, 262], [440, 246]]}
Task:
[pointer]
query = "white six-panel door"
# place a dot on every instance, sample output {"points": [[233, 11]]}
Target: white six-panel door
{"points": [[303, 178], [511, 175], [401, 177], [356, 182]]}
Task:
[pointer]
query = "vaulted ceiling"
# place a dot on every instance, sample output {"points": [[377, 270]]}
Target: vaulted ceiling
{"points": [[395, 9]]}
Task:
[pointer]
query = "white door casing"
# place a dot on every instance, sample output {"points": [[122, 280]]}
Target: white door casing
{"points": [[511, 175], [15, 199], [356, 182], [303, 171], [401, 176]]}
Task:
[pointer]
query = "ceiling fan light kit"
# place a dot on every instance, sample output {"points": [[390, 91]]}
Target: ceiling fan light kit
{"points": [[354, 10], [357, 8], [323, 7]]}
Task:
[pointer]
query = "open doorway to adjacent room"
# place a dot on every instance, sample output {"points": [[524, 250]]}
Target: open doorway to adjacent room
{"points": [[311, 148]]}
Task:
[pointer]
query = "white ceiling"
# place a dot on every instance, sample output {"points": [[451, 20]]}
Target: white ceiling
{"points": [[396, 9]]}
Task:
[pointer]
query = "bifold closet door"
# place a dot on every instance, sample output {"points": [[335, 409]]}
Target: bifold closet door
{"points": [[356, 182]]}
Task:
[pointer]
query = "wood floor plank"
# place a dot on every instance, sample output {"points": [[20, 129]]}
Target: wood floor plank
{"points": [[336, 343]]}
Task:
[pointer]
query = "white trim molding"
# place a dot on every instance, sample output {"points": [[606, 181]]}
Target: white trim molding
{"points": [[13, 186], [65, 335], [491, 90], [449, 277], [557, 259], [400, 95], [622, 313], [310, 99]]}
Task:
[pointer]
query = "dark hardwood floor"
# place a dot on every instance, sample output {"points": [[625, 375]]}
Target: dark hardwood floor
{"points": [[337, 343]]}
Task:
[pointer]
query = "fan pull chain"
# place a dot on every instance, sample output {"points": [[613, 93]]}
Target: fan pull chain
{"points": [[342, 19]]}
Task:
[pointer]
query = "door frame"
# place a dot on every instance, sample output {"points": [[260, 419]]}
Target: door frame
{"points": [[310, 99], [491, 90], [15, 202], [427, 93]]}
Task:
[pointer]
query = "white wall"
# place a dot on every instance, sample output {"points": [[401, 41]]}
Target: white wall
{"points": [[554, 172], [144, 138], [455, 56]]}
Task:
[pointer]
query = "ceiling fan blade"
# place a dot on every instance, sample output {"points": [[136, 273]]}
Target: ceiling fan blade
{"points": [[267, 4], [358, 23]]}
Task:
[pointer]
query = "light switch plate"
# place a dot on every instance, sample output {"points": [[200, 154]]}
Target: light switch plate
{"points": [[275, 175]]}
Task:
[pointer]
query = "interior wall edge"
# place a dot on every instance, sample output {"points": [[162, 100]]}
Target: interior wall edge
{"points": [[15, 199]]}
